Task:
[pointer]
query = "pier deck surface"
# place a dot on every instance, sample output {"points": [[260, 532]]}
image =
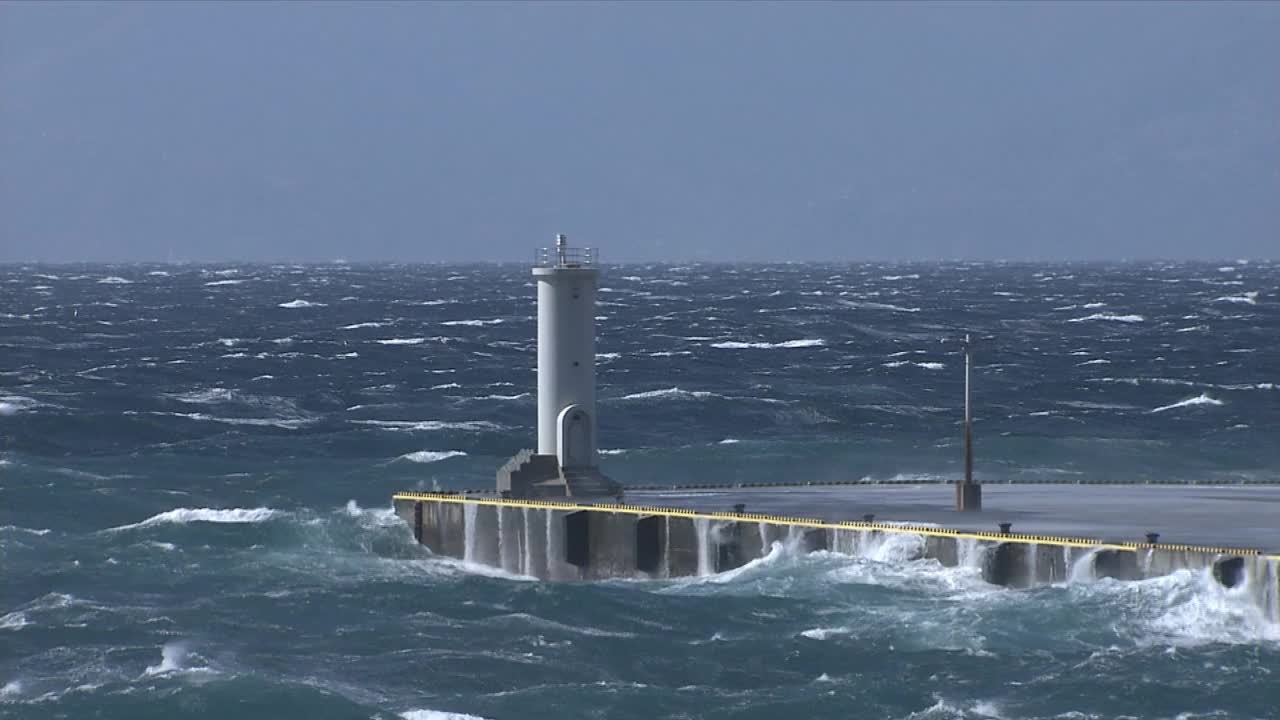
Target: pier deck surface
{"points": [[1238, 516]]}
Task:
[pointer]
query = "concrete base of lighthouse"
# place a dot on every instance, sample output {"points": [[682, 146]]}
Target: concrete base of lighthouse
{"points": [[529, 475]]}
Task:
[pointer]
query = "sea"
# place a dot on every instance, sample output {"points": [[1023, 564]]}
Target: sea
{"points": [[197, 463]]}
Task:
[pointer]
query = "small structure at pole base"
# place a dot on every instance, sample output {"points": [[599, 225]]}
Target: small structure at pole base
{"points": [[566, 462], [968, 496]]}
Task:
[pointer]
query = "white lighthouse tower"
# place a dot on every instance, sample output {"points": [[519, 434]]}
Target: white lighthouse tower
{"points": [[566, 462]]}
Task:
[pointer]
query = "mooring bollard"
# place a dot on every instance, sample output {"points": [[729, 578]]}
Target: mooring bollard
{"points": [[1005, 527], [1153, 538], [869, 517], [740, 508]]}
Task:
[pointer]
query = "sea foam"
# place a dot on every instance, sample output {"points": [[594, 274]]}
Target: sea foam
{"points": [[183, 516]]}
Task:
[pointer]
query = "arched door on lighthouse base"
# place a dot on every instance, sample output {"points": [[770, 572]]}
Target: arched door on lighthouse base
{"points": [[574, 443]]}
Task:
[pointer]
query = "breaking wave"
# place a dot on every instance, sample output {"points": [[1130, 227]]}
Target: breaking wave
{"points": [[474, 323], [361, 325], [1201, 399], [14, 404], [431, 456], [295, 304], [431, 425], [734, 345], [672, 393], [925, 365], [292, 423], [1108, 317], [175, 657], [183, 516], [437, 715], [1248, 298], [402, 341]]}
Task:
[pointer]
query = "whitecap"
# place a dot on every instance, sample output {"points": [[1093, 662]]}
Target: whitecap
{"points": [[1201, 399], [673, 393], [14, 621], [429, 425], [380, 517], [114, 280], [15, 528], [173, 659], [879, 306], [358, 326], [183, 516], [431, 456], [402, 341], [14, 404], [437, 715], [219, 283], [924, 365], [294, 304], [282, 423], [474, 323], [804, 343], [1108, 317], [1248, 298]]}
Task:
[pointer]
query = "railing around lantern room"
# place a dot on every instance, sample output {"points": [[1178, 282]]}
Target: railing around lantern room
{"points": [[566, 257]]}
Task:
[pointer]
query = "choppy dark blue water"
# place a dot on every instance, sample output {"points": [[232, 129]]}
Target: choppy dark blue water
{"points": [[196, 465]]}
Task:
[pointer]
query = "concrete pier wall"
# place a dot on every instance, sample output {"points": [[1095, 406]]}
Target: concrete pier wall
{"points": [[586, 542]]}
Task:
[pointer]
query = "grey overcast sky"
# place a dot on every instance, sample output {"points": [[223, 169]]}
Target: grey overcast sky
{"points": [[712, 130]]}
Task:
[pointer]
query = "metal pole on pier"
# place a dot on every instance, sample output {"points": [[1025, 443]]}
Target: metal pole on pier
{"points": [[968, 410], [968, 493]]}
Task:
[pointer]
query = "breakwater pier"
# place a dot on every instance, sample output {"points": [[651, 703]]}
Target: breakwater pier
{"points": [[1032, 535]]}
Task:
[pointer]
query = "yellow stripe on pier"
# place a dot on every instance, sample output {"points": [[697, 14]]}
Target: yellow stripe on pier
{"points": [[927, 531]]}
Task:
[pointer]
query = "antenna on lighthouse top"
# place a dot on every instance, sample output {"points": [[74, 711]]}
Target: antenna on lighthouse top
{"points": [[564, 257]]}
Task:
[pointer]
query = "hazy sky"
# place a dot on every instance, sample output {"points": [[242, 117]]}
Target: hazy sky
{"points": [[725, 131]]}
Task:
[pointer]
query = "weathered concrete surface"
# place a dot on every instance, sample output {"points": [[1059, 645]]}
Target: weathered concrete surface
{"points": [[1227, 516]]}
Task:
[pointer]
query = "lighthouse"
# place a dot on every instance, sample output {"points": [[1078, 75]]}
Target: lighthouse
{"points": [[566, 463]]}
